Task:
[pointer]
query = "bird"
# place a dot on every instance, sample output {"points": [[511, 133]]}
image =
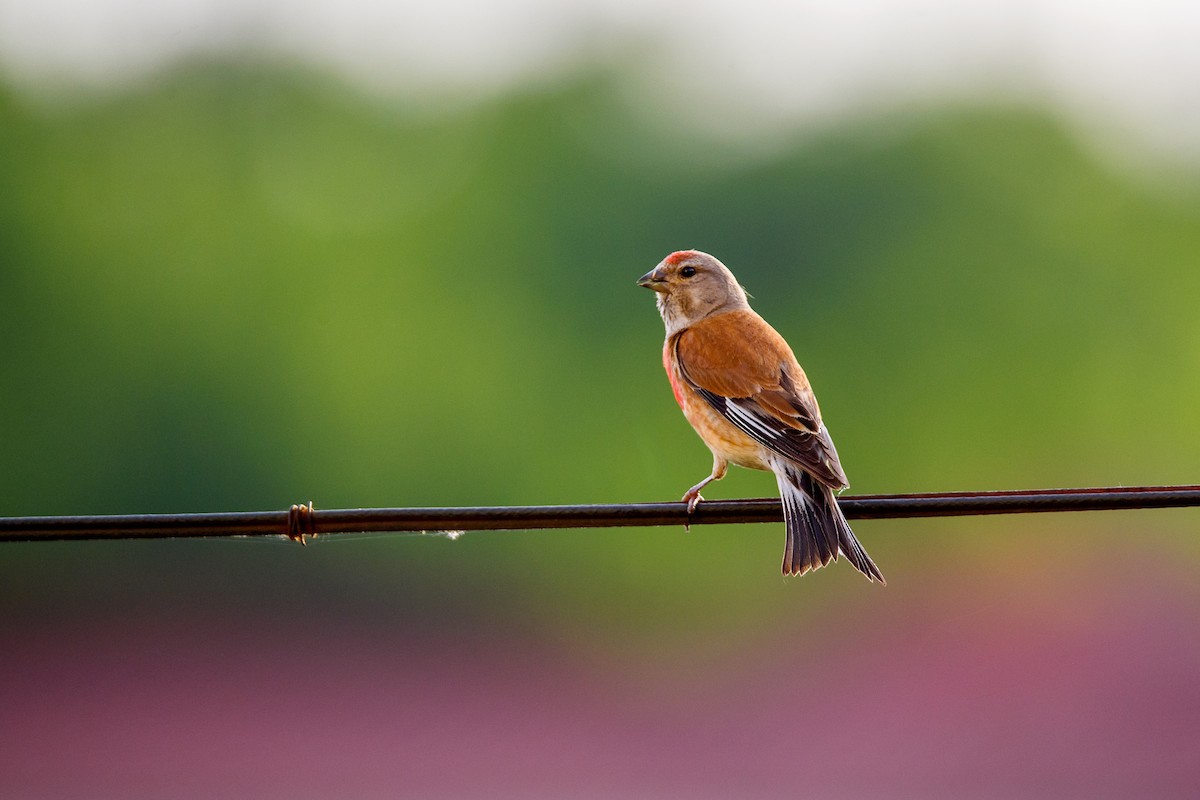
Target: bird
{"points": [[740, 386]]}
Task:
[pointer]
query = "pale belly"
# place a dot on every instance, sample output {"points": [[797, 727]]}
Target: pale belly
{"points": [[722, 437]]}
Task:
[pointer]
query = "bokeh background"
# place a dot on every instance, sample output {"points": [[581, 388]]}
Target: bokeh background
{"points": [[379, 254]]}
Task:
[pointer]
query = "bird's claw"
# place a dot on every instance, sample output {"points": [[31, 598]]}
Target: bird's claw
{"points": [[692, 498]]}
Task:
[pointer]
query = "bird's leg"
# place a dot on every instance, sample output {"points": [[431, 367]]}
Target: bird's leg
{"points": [[692, 496]]}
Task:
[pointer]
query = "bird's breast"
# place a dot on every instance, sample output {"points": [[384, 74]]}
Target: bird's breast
{"points": [[722, 437], [673, 375]]}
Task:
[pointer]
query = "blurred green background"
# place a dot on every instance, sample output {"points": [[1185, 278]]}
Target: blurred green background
{"points": [[242, 285]]}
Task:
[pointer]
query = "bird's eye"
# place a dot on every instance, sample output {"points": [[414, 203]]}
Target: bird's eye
{"points": [[687, 272]]}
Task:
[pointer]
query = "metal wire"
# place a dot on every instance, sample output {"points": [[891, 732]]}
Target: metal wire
{"points": [[301, 520]]}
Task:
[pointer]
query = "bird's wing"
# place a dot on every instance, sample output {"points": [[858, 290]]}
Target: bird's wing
{"points": [[745, 370]]}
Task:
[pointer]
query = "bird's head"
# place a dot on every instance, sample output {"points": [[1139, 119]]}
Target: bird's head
{"points": [[690, 286]]}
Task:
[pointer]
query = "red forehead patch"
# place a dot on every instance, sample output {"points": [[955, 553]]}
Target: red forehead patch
{"points": [[677, 256]]}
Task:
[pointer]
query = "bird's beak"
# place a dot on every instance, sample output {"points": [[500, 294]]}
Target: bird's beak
{"points": [[654, 279]]}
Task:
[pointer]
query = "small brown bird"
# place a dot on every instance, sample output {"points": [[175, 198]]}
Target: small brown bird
{"points": [[740, 387]]}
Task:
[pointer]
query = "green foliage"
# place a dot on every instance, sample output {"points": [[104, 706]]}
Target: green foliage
{"points": [[238, 289]]}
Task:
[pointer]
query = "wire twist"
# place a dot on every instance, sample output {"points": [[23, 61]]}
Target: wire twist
{"points": [[300, 523]]}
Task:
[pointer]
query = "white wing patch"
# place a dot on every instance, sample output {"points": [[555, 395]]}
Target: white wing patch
{"points": [[752, 423], [811, 451]]}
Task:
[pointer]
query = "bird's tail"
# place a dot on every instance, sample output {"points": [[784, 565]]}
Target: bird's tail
{"points": [[817, 531]]}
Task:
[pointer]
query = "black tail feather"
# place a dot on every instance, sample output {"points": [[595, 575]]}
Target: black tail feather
{"points": [[817, 531]]}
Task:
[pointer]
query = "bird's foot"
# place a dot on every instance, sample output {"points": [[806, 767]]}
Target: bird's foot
{"points": [[692, 498]]}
